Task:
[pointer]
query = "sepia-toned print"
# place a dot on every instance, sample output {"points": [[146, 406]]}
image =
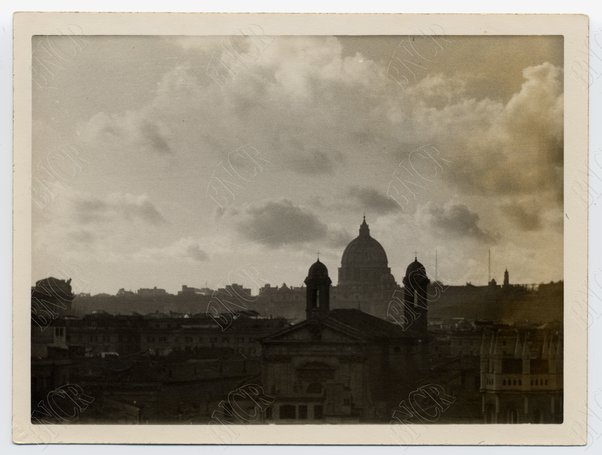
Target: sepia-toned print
{"points": [[259, 231], [180, 180]]}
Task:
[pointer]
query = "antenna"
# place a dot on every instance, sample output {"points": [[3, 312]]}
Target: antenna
{"points": [[489, 268], [436, 266]]}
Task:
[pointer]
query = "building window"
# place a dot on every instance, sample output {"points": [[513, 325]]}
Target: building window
{"points": [[318, 411], [287, 411], [314, 387], [302, 412], [490, 414], [512, 366]]}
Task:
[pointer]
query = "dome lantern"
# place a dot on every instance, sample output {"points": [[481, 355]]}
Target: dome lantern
{"points": [[364, 229]]}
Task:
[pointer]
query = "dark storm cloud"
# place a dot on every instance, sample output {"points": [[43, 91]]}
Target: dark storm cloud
{"points": [[144, 210], [278, 223], [372, 200], [339, 238], [90, 209], [524, 218], [459, 221], [184, 248], [195, 252], [316, 162], [151, 135], [131, 132]]}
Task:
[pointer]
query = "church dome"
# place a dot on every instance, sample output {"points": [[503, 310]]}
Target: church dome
{"points": [[364, 251]]}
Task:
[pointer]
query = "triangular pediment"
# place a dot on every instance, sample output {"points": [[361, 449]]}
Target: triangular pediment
{"points": [[324, 331]]}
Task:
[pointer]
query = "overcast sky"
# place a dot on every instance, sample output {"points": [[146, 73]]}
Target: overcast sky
{"points": [[162, 161]]}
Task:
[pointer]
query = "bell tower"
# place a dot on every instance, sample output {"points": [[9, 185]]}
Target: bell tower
{"points": [[318, 291], [415, 296]]}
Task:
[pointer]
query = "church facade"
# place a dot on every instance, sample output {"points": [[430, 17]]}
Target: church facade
{"points": [[340, 365]]}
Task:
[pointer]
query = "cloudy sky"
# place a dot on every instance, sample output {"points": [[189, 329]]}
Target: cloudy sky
{"points": [[162, 161]]}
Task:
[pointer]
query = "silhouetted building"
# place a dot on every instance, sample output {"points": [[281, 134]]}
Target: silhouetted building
{"points": [[123, 293], [415, 295], [318, 291], [50, 298], [506, 278], [154, 292], [340, 365], [191, 291], [50, 357]]}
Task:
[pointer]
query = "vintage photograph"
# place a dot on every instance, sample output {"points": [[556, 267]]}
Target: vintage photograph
{"points": [[282, 229], [249, 232]]}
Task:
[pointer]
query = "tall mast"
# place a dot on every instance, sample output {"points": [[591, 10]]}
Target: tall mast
{"points": [[489, 268], [436, 266]]}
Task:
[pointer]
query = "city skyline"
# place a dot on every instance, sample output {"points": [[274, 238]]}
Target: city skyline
{"points": [[247, 271], [255, 281], [193, 158]]}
